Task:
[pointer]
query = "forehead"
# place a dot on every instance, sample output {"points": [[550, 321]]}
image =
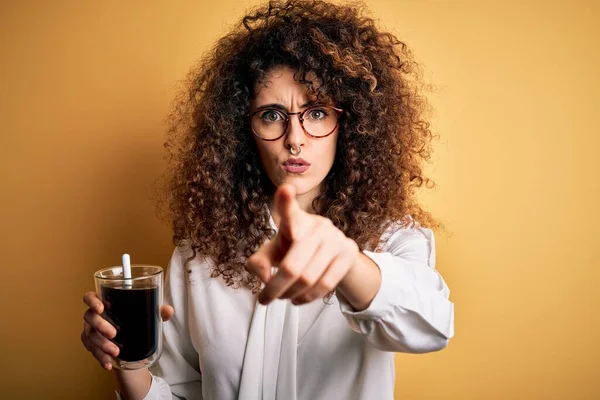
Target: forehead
{"points": [[279, 83]]}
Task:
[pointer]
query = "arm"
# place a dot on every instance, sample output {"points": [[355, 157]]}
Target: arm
{"points": [[410, 311], [133, 384], [176, 374], [361, 283]]}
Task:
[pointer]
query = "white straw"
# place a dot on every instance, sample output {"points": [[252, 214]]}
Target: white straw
{"points": [[127, 269]]}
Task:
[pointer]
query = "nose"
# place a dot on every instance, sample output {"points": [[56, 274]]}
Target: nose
{"points": [[295, 136]]}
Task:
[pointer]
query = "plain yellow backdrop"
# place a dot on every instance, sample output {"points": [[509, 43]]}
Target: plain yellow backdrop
{"points": [[85, 87]]}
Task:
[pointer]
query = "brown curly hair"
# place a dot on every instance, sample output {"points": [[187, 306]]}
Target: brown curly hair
{"points": [[214, 192]]}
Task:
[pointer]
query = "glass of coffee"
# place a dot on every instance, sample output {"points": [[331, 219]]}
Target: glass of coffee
{"points": [[132, 306]]}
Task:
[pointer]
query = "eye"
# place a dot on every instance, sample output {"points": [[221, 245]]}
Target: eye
{"points": [[271, 116], [317, 114]]}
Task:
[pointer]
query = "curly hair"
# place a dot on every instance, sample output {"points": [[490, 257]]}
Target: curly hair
{"points": [[214, 192]]}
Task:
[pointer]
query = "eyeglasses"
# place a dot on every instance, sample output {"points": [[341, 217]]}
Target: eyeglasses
{"points": [[317, 121]]}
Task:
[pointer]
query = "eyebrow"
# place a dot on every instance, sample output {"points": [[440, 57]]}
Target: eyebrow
{"points": [[282, 107]]}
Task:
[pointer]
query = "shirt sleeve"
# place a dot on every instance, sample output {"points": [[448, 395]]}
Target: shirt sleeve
{"points": [[176, 374], [411, 312]]}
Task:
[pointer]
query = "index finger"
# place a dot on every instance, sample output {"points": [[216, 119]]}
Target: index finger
{"points": [[288, 209], [92, 301]]}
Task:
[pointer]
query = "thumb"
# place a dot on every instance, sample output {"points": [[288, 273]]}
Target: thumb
{"points": [[288, 209], [166, 312]]}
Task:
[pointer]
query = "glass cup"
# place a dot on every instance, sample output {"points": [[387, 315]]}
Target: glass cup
{"points": [[132, 306]]}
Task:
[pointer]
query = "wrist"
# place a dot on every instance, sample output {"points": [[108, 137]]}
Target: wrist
{"points": [[361, 283], [133, 384]]}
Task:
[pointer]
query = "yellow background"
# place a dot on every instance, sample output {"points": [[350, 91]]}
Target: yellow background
{"points": [[85, 88]]}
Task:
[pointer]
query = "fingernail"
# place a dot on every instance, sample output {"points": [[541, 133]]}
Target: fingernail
{"points": [[107, 366]]}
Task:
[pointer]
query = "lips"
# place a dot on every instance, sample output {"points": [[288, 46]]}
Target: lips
{"points": [[296, 165], [296, 161]]}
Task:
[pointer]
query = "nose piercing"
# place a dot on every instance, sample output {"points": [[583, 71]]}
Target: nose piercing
{"points": [[293, 152]]}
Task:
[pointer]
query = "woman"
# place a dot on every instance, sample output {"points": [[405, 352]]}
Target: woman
{"points": [[298, 146]]}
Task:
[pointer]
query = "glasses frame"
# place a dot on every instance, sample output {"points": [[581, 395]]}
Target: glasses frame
{"points": [[300, 115]]}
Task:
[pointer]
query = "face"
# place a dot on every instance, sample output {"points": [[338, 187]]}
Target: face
{"points": [[280, 88]]}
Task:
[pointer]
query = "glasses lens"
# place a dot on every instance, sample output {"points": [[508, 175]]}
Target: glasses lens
{"points": [[320, 121], [269, 124]]}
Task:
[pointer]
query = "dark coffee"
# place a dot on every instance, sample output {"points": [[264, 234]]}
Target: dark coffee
{"points": [[134, 312]]}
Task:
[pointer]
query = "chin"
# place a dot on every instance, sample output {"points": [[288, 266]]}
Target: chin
{"points": [[302, 185]]}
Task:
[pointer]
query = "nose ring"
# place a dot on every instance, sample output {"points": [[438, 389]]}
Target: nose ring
{"points": [[295, 152]]}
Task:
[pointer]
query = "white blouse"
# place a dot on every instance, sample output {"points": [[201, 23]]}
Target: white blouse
{"points": [[222, 344]]}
